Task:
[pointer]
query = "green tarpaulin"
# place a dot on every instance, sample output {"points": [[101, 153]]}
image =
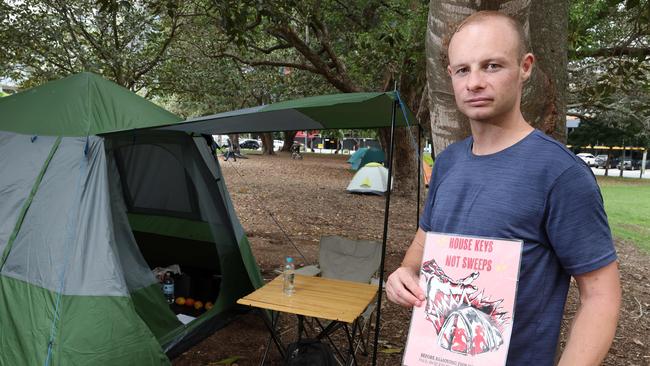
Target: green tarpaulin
{"points": [[337, 111]]}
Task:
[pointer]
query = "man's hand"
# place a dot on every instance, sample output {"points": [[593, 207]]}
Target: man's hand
{"points": [[403, 288]]}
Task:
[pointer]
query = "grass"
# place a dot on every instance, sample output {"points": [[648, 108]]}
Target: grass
{"points": [[627, 203]]}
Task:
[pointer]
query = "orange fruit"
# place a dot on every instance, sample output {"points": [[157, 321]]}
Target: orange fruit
{"points": [[198, 305], [180, 300], [208, 305], [189, 301]]}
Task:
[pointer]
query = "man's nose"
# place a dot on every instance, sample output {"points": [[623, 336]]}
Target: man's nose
{"points": [[475, 80]]}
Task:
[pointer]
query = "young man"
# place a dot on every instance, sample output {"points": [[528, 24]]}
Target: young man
{"points": [[509, 180]]}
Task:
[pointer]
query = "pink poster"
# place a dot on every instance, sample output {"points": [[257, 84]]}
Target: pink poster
{"points": [[470, 285]]}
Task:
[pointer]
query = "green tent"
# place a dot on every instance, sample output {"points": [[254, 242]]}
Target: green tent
{"points": [[368, 155], [98, 186], [89, 203], [356, 155]]}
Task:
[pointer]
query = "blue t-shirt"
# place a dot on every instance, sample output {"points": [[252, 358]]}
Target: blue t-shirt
{"points": [[536, 191]]}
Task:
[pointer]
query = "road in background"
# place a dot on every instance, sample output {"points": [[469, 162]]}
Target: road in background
{"points": [[626, 173]]}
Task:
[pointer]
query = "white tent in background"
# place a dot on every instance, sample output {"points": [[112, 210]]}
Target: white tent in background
{"points": [[372, 178]]}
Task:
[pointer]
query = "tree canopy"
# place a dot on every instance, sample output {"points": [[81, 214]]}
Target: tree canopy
{"points": [[609, 68], [198, 57], [121, 40]]}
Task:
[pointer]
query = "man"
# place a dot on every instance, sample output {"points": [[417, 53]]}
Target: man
{"points": [[230, 152], [509, 180]]}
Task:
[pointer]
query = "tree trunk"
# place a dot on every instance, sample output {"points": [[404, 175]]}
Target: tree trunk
{"points": [[447, 123], [234, 142], [267, 143], [288, 140], [543, 100], [404, 158]]}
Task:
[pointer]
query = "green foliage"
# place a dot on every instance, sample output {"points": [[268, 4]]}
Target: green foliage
{"points": [[609, 68], [235, 54], [627, 203], [354, 45], [121, 40], [610, 129]]}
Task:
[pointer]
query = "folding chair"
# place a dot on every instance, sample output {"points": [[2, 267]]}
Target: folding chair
{"points": [[350, 260]]}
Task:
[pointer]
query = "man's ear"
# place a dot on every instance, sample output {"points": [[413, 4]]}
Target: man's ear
{"points": [[527, 65], [449, 70]]}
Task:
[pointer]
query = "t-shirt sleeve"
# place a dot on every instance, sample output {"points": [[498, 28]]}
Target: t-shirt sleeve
{"points": [[576, 223]]}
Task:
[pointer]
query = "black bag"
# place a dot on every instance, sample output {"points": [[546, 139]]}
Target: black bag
{"points": [[309, 352]]}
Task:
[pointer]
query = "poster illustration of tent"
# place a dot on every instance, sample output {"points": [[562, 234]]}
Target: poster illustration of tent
{"points": [[470, 285]]}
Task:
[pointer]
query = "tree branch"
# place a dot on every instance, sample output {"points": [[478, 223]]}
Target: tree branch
{"points": [[583, 117], [583, 68], [349, 14], [148, 66], [279, 46], [93, 42], [320, 67], [342, 80], [255, 23], [610, 52], [267, 62]]}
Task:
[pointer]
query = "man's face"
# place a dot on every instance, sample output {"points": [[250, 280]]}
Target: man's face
{"points": [[486, 70]]}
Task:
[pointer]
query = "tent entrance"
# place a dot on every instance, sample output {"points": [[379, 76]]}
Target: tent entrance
{"points": [[176, 213], [164, 241]]}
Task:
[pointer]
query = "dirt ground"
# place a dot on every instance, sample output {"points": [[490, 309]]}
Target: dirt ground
{"points": [[308, 199]]}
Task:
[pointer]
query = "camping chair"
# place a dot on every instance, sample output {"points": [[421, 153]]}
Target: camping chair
{"points": [[351, 260]]}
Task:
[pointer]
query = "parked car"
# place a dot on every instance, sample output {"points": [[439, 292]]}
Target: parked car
{"points": [[278, 144], [629, 164], [249, 144], [589, 159], [600, 161], [614, 163]]}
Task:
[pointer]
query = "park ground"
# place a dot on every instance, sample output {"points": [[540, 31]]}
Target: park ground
{"points": [[308, 199]]}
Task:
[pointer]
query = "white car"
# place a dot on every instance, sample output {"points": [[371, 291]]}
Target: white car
{"points": [[277, 144], [589, 159]]}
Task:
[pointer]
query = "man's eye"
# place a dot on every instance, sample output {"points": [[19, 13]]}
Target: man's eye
{"points": [[492, 67], [461, 71]]}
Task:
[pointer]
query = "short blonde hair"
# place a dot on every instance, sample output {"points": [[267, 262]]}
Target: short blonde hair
{"points": [[482, 16]]}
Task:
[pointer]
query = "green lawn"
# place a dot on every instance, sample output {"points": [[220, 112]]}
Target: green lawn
{"points": [[627, 203]]}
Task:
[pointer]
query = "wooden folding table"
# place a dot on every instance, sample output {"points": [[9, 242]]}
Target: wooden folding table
{"points": [[318, 297]]}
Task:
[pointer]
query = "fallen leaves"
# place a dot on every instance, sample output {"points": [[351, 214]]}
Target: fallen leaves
{"points": [[230, 361]]}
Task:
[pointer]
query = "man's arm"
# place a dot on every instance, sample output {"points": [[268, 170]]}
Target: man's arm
{"points": [[594, 325], [402, 286]]}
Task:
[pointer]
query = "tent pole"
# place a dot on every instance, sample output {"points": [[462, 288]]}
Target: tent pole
{"points": [[385, 234], [417, 213]]}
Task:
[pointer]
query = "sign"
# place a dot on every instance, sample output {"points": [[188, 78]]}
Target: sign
{"points": [[470, 285]]}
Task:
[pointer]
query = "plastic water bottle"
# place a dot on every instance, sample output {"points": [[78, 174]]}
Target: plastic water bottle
{"points": [[289, 276], [168, 288]]}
